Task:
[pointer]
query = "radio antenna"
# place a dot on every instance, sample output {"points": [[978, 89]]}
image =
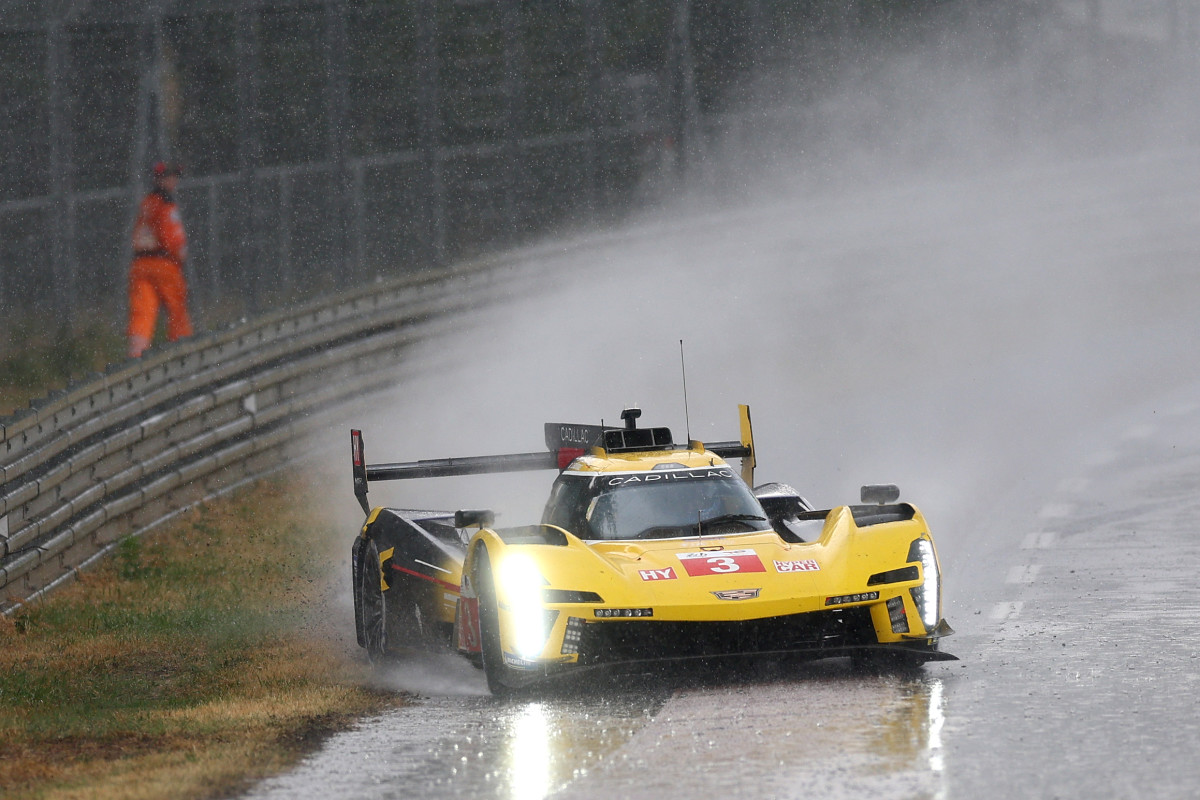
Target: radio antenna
{"points": [[683, 369]]}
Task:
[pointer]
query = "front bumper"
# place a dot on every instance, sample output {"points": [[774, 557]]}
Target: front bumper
{"points": [[639, 640]]}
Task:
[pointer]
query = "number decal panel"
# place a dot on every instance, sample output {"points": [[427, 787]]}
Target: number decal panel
{"points": [[720, 562]]}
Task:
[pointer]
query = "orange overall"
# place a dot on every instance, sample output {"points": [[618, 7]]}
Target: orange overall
{"points": [[156, 275]]}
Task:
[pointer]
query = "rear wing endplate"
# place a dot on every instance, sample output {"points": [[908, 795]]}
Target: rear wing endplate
{"points": [[743, 448]]}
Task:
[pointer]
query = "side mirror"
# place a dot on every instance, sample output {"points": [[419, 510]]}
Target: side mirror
{"points": [[880, 493], [781, 501], [484, 518]]}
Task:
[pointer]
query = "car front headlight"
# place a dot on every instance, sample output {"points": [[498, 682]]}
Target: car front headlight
{"points": [[927, 596], [520, 585]]}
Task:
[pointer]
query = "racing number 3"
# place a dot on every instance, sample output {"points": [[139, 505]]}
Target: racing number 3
{"points": [[722, 563]]}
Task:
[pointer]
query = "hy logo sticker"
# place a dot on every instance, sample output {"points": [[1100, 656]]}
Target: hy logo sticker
{"points": [[667, 574]]}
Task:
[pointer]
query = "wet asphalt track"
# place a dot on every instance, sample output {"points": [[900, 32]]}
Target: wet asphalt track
{"points": [[1017, 351]]}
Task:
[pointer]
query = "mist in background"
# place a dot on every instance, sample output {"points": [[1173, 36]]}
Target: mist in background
{"points": [[965, 270]]}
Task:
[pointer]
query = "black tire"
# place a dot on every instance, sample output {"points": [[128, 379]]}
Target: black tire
{"points": [[498, 673], [373, 605]]}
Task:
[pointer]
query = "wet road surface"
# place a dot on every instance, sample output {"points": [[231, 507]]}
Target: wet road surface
{"points": [[771, 726], [1015, 351], [1085, 679], [1080, 678], [452, 746]]}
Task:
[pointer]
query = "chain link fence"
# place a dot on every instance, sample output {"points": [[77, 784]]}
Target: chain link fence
{"points": [[329, 143]]}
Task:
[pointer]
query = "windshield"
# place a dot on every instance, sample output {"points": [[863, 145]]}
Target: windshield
{"points": [[654, 505]]}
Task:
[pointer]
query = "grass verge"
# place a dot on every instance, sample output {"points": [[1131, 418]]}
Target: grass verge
{"points": [[35, 360], [195, 661]]}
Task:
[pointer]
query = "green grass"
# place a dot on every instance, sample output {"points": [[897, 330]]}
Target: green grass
{"points": [[35, 360], [191, 661]]}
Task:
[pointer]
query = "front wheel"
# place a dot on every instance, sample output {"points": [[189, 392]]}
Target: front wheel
{"points": [[498, 673]]}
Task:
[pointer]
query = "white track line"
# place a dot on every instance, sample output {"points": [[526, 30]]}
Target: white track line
{"points": [[1039, 541], [1056, 510], [1023, 574], [1009, 609]]}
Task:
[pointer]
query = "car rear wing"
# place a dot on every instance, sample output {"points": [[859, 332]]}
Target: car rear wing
{"points": [[364, 473], [564, 442]]}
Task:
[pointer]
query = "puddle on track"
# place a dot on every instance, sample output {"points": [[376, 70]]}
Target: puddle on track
{"points": [[640, 736]]}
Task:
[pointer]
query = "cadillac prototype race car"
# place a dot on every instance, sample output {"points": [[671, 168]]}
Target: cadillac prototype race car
{"points": [[647, 550]]}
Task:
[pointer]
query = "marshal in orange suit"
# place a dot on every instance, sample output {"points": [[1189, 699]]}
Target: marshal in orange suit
{"points": [[156, 274]]}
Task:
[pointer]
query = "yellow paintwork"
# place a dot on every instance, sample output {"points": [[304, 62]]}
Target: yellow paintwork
{"points": [[370, 520], [747, 435], [384, 556], [845, 554]]}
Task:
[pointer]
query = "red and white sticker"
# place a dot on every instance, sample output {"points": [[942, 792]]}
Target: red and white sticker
{"points": [[667, 574], [468, 625], [807, 565], [720, 562]]}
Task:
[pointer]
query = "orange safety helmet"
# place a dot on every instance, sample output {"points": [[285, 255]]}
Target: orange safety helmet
{"points": [[164, 168]]}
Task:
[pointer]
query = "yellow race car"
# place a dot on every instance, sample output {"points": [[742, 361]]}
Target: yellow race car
{"points": [[646, 551]]}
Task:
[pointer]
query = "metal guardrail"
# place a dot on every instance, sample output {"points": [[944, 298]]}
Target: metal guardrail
{"points": [[120, 454]]}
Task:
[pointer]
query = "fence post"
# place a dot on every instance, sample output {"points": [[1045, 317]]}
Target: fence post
{"points": [[251, 259], [510, 28], [430, 134], [336, 87], [684, 104], [61, 217], [358, 231], [215, 240], [594, 55], [150, 142], [283, 236], [1188, 59]]}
